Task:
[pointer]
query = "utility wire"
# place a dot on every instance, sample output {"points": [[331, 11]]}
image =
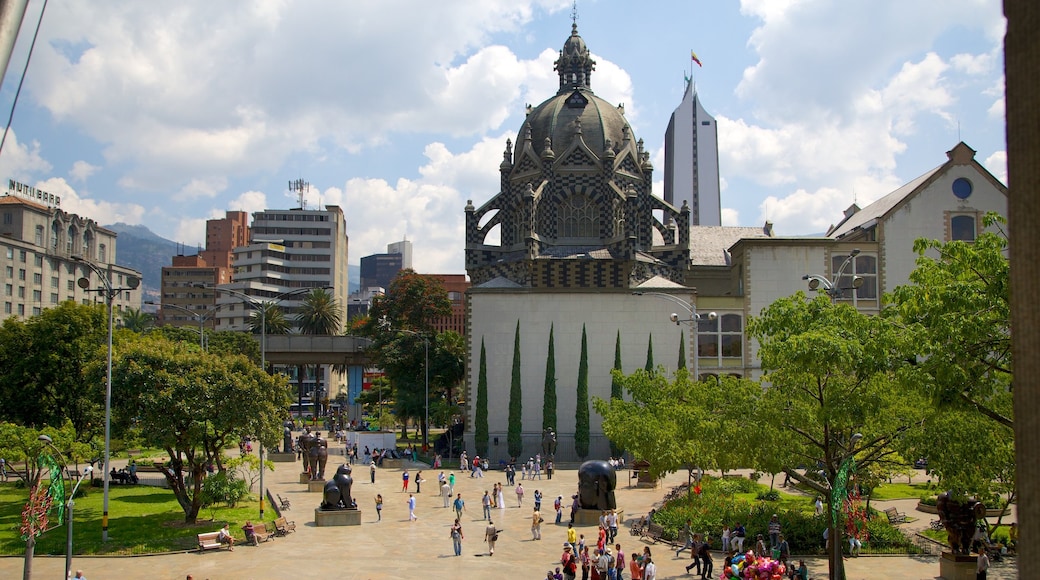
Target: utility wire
{"points": [[21, 81]]}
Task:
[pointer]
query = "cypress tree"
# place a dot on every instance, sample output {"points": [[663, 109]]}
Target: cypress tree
{"points": [[514, 436], [581, 414], [650, 355], [480, 427], [549, 401], [615, 388], [682, 350]]}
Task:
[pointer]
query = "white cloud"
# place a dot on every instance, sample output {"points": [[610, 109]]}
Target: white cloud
{"points": [[974, 64], [103, 212], [21, 161], [730, 217], [203, 188], [81, 171], [997, 165]]}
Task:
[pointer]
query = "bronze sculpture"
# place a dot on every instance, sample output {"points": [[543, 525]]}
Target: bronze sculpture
{"points": [[959, 517], [548, 443], [337, 491], [317, 456], [596, 483]]}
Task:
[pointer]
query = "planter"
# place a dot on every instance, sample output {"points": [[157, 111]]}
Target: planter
{"points": [[930, 509]]}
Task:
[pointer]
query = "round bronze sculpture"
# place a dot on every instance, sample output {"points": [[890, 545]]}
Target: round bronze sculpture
{"points": [[337, 491], [959, 517], [596, 483]]}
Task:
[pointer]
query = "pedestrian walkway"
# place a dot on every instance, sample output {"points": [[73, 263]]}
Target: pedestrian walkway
{"points": [[396, 548]]}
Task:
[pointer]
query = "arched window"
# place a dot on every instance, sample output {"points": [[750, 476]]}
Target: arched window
{"points": [[578, 217], [39, 236], [88, 244], [71, 239], [102, 255], [55, 233]]}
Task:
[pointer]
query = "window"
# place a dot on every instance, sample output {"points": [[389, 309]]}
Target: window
{"points": [[39, 236], [10, 253], [7, 307], [70, 286], [71, 239], [8, 218], [721, 338], [88, 244], [37, 311], [9, 290], [21, 310], [37, 296], [10, 271], [863, 266], [962, 227], [37, 278], [21, 292], [55, 228], [578, 217], [54, 281], [21, 256], [38, 261], [21, 273], [54, 297], [102, 254]]}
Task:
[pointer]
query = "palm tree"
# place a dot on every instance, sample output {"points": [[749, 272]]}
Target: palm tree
{"points": [[136, 319], [273, 318], [319, 313]]}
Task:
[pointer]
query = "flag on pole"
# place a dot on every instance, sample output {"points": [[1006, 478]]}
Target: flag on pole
{"points": [[693, 56]]}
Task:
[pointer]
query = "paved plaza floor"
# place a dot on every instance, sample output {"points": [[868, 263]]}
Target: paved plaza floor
{"points": [[398, 549]]}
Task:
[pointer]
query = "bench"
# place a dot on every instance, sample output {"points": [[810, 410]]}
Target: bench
{"points": [[260, 534], [655, 533], [283, 527], [208, 541], [895, 516], [283, 504]]}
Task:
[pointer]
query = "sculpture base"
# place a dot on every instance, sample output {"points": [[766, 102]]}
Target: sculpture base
{"points": [[281, 457], [316, 485], [587, 517], [957, 566], [393, 463], [305, 477], [328, 518]]}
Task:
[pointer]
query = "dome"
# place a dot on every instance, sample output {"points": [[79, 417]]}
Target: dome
{"points": [[564, 115]]}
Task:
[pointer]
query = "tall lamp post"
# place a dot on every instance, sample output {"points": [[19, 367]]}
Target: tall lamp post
{"points": [[109, 292], [258, 305], [831, 287], [691, 309], [70, 503], [200, 317]]}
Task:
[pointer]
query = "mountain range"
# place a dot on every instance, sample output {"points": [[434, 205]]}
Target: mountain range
{"points": [[143, 250]]}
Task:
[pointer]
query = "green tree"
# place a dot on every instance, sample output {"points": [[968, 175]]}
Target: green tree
{"points": [[549, 397], [616, 389], [682, 351], [649, 367], [514, 434], [581, 412], [193, 404], [44, 359], [273, 319], [835, 394], [957, 307], [480, 425], [136, 320], [320, 313]]}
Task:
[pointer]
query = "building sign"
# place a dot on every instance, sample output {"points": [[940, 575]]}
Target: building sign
{"points": [[31, 193], [370, 377]]}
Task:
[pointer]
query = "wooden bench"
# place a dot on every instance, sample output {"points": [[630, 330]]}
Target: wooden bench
{"points": [[654, 533], [208, 541], [283, 503], [895, 516], [260, 534], [283, 527]]}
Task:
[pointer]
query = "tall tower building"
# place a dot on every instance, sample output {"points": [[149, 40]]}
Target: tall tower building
{"points": [[691, 161]]}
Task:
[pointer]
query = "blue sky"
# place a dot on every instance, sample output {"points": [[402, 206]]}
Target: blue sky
{"points": [[169, 113]]}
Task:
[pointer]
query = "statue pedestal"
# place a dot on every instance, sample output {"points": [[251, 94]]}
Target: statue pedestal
{"points": [[957, 566], [393, 463], [316, 485], [305, 477], [328, 518], [587, 517], [281, 457]]}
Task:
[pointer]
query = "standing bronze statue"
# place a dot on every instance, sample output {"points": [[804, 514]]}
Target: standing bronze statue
{"points": [[959, 517], [317, 456], [548, 443], [337, 491]]}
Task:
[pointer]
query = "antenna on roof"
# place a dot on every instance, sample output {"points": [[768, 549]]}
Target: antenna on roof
{"points": [[300, 188], [574, 13]]}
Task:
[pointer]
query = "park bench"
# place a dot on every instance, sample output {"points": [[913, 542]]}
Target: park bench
{"points": [[283, 527], [655, 533], [208, 541], [260, 534], [283, 503], [895, 516]]}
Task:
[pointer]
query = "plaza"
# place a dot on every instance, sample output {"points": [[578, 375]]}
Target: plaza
{"points": [[396, 548]]}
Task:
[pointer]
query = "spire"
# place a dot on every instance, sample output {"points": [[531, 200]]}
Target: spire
{"points": [[575, 64]]}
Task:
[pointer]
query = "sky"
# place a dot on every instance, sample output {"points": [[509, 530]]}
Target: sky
{"points": [[167, 114]]}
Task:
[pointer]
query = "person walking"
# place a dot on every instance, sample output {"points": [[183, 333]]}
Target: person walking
{"points": [[687, 531], [372, 471], [445, 493], [704, 551], [574, 507], [379, 507], [549, 468], [457, 537], [538, 500], [558, 506], [981, 563], [418, 481], [451, 481], [569, 562], [491, 536], [519, 495], [774, 532], [619, 562], [572, 538], [411, 508], [501, 498], [586, 563], [485, 503], [695, 552], [404, 481], [460, 506], [649, 569], [536, 525], [612, 525]]}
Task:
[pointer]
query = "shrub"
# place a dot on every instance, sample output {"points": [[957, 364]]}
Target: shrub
{"points": [[728, 485], [771, 495], [224, 488], [929, 500]]}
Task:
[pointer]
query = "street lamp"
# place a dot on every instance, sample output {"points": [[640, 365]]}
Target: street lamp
{"points": [[258, 305], [70, 503], [691, 309], [426, 364], [839, 491], [109, 292], [831, 286], [200, 317]]}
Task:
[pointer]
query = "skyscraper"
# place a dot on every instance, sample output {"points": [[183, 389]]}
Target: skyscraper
{"points": [[691, 161]]}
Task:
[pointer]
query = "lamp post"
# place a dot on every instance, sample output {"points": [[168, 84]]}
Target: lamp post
{"points": [[70, 503], [258, 305], [691, 309], [200, 317], [109, 292], [831, 286], [839, 491]]}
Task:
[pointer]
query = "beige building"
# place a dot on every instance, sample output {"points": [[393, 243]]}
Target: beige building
{"points": [[37, 244]]}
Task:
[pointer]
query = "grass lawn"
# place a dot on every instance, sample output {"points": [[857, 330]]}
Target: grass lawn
{"points": [[142, 519], [903, 491]]}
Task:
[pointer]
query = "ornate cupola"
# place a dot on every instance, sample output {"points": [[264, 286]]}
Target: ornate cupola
{"points": [[575, 64]]}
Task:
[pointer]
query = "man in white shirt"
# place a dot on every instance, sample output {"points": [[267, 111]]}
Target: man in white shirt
{"points": [[649, 569]]}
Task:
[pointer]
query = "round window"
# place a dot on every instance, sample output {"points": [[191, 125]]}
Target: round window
{"points": [[962, 188]]}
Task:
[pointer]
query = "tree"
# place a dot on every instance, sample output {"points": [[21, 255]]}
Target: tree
{"points": [[136, 320], [682, 351], [616, 390], [480, 424], [273, 318], [957, 307], [835, 394], [320, 314], [194, 404], [581, 412], [549, 396], [514, 433], [649, 367], [44, 361]]}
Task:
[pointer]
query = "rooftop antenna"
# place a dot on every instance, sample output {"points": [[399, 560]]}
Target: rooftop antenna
{"points": [[300, 188], [574, 14]]}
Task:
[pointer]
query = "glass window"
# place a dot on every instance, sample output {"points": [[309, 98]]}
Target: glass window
{"points": [[864, 267], [8, 289], [54, 281], [54, 297], [7, 307], [21, 292], [721, 338], [39, 261], [21, 310], [8, 218], [962, 227], [21, 273], [37, 295], [21, 256], [102, 254], [37, 278], [39, 236]]}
